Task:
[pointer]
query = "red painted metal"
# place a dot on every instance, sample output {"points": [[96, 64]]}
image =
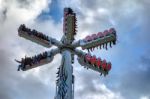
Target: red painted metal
{"points": [[94, 36], [112, 30], [93, 60], [104, 64], [108, 66], [100, 34], [98, 62], [106, 32], [88, 38]]}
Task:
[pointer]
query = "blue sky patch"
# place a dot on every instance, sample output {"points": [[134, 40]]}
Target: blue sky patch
{"points": [[55, 12]]}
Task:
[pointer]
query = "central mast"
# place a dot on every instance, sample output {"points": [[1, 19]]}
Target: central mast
{"points": [[64, 84], [65, 81], [69, 26]]}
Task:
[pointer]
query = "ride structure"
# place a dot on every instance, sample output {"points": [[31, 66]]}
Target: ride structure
{"points": [[67, 47]]}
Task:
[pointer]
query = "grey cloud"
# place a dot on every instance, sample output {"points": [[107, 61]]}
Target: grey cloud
{"points": [[4, 14], [127, 16], [136, 81], [90, 84], [87, 83], [131, 19], [13, 85], [24, 3]]}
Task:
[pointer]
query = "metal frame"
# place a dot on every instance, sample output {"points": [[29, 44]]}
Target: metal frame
{"points": [[67, 48]]}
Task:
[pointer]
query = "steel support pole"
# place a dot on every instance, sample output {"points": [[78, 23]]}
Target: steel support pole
{"points": [[65, 80], [68, 70]]}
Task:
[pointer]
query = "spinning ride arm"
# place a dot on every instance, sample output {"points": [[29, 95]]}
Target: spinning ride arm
{"points": [[69, 26], [97, 40], [37, 60], [37, 37], [93, 63]]}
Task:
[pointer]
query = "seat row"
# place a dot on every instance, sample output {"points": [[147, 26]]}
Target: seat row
{"points": [[33, 32], [97, 62], [100, 35], [34, 60]]}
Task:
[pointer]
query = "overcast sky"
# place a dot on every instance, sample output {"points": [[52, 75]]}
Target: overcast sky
{"points": [[130, 74]]}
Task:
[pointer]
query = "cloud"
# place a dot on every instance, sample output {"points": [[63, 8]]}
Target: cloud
{"points": [[135, 81], [88, 84], [128, 78], [130, 18], [22, 85], [144, 97]]}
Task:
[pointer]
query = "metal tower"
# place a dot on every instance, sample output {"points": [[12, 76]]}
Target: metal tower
{"points": [[67, 47]]}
